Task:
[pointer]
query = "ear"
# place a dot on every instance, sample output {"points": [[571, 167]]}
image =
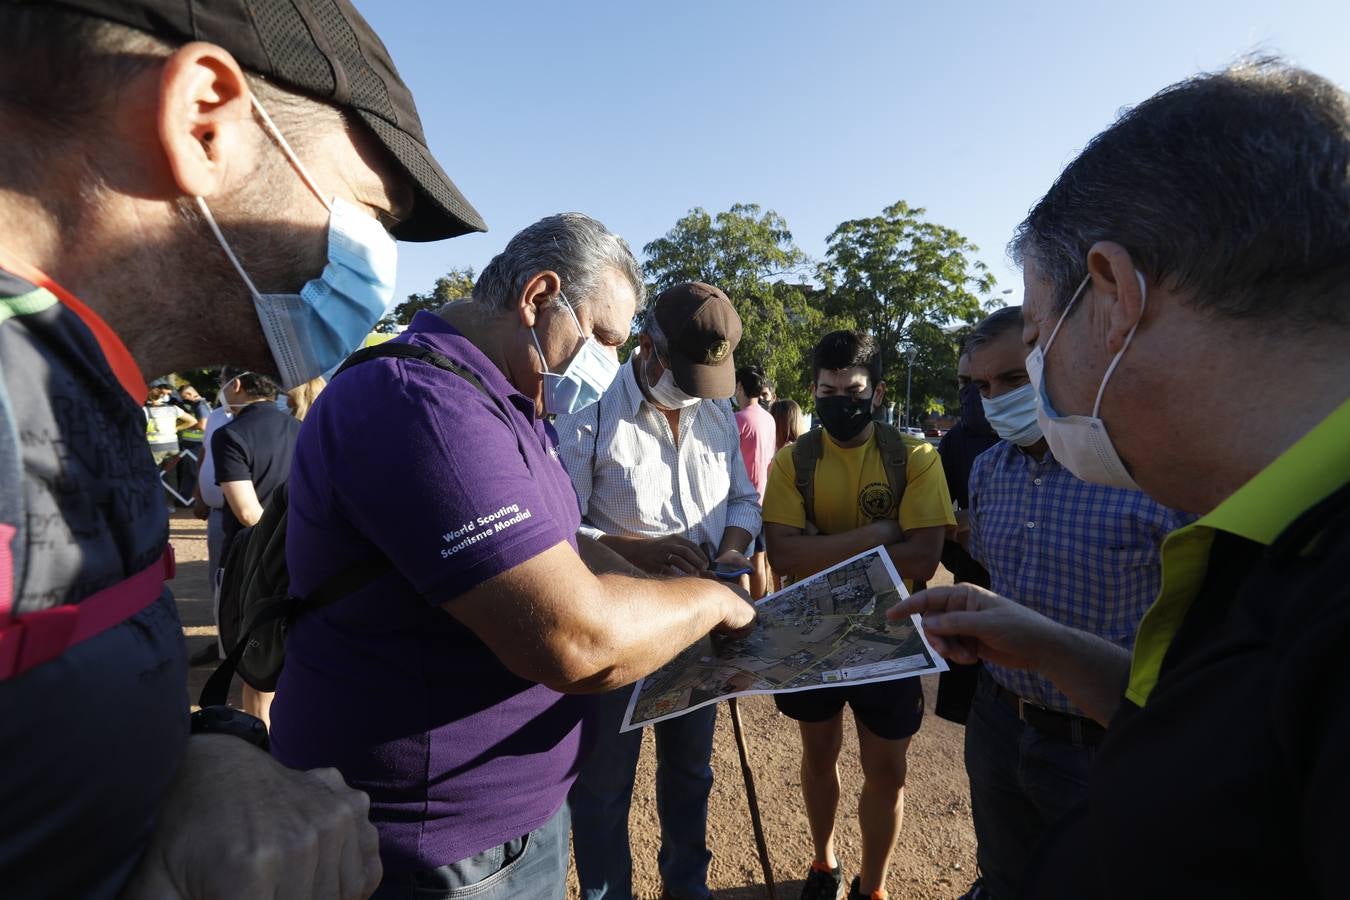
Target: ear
{"points": [[1114, 282], [206, 125], [879, 395], [539, 291]]}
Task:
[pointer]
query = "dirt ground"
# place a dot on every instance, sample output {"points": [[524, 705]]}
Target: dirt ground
{"points": [[935, 858]]}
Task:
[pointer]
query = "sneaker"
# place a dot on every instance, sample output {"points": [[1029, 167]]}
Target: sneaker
{"points": [[977, 892], [855, 893], [823, 883]]}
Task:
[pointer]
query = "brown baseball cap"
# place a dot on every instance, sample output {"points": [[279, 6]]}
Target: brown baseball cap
{"points": [[702, 330], [322, 48]]}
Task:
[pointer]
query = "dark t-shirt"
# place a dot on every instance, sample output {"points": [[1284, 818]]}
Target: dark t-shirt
{"points": [[403, 460], [90, 741], [1231, 782], [257, 446]]}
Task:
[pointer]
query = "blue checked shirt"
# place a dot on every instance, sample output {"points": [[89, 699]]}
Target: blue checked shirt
{"points": [[1082, 554]]}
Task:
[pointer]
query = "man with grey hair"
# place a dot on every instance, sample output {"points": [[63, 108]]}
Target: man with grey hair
{"points": [[1188, 305], [483, 617], [164, 163], [657, 468]]}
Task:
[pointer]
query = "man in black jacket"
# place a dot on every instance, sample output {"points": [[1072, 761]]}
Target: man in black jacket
{"points": [[1190, 266]]}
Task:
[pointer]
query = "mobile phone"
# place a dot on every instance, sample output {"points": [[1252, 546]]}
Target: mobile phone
{"points": [[729, 572]]}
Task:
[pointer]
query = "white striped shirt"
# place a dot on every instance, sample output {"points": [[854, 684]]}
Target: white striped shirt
{"points": [[632, 481]]}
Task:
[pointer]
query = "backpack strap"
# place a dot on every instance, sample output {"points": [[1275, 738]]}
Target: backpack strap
{"points": [[390, 349], [808, 450], [894, 458], [217, 688], [38, 637]]}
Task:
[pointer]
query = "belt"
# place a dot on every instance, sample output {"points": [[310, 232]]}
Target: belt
{"points": [[1065, 726], [33, 639]]}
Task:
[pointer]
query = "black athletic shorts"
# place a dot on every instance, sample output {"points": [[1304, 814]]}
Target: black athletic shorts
{"points": [[892, 710]]}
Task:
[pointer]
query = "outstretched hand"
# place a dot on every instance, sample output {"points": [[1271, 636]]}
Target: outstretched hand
{"points": [[966, 624]]}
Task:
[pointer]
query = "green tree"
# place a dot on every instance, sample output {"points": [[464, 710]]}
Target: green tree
{"points": [[750, 255], [454, 285], [907, 281]]}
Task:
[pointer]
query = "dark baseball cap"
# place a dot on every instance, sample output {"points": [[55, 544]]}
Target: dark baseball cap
{"points": [[322, 48], [702, 330]]}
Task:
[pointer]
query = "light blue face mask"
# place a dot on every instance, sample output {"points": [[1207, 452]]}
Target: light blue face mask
{"points": [[1013, 415], [589, 373], [312, 332]]}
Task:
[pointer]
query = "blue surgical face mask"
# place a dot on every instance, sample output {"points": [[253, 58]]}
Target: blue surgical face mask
{"points": [[311, 332], [589, 373], [1013, 416]]}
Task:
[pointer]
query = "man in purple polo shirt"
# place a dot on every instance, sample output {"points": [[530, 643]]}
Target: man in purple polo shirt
{"points": [[464, 728]]}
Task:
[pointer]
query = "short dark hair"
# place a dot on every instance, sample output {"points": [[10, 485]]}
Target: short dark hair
{"points": [[751, 379], [993, 327], [1233, 187], [847, 350], [258, 386]]}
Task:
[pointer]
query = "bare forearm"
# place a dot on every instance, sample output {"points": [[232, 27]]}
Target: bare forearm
{"points": [[735, 539], [801, 555], [601, 559], [638, 625], [918, 555], [1089, 670]]}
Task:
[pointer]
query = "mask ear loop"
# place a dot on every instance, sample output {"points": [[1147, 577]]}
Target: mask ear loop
{"points": [[567, 304], [290, 154], [1143, 303], [225, 245], [1064, 315]]}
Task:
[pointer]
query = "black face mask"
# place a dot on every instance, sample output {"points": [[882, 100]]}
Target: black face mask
{"points": [[972, 410], [844, 417]]}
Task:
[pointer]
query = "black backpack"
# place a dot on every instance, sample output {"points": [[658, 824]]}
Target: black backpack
{"points": [[256, 604]]}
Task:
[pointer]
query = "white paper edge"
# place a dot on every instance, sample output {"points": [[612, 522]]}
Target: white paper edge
{"points": [[940, 664]]}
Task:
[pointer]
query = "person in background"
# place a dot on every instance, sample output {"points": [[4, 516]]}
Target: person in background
{"points": [[656, 464], [190, 439], [849, 505], [959, 447], [300, 399], [164, 421], [1078, 553], [757, 429], [252, 460], [767, 395], [208, 504], [787, 417]]}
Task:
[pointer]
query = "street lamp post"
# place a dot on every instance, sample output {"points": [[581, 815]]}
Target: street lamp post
{"points": [[909, 385]]}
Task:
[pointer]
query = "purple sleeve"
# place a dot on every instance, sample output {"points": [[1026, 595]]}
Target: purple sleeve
{"points": [[432, 473]]}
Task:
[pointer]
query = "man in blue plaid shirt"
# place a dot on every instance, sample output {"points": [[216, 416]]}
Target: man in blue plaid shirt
{"points": [[1082, 554]]}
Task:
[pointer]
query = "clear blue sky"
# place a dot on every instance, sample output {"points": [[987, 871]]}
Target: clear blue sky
{"points": [[637, 112]]}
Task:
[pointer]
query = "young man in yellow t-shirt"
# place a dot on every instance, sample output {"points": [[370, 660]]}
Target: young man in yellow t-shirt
{"points": [[855, 509]]}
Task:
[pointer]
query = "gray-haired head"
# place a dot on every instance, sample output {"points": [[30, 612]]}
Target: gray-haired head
{"points": [[580, 249], [993, 327], [1232, 188]]}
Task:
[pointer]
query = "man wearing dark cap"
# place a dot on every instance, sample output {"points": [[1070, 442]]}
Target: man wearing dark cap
{"points": [[237, 170], [657, 467]]}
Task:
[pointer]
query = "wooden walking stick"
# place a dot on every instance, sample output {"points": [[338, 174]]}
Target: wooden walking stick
{"points": [[753, 800]]}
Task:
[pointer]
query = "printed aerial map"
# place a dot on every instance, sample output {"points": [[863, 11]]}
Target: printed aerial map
{"points": [[824, 631]]}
